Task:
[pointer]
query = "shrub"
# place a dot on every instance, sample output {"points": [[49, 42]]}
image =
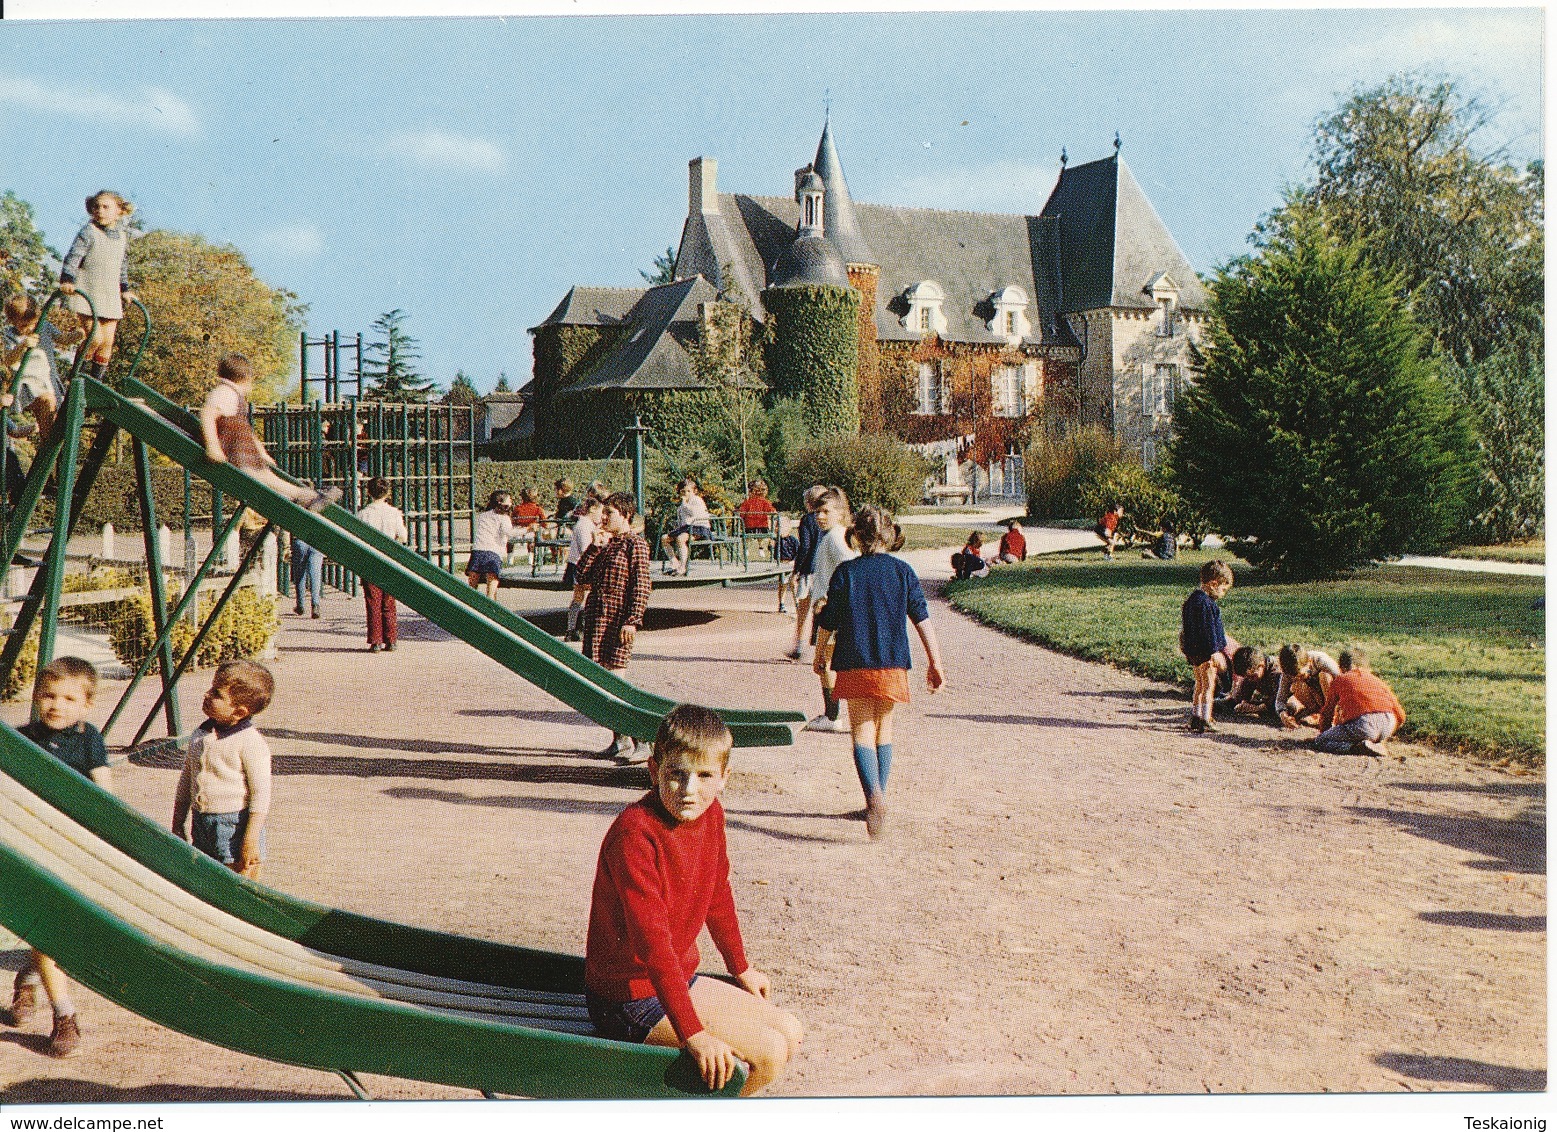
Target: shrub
{"points": [[1318, 438], [511, 475], [1503, 397], [244, 629], [872, 469], [1059, 463], [1147, 498]]}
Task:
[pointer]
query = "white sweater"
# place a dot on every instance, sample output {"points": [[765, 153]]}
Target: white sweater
{"points": [[227, 773]]}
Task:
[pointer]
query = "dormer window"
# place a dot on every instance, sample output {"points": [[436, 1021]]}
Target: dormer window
{"points": [[926, 302], [1009, 314], [1165, 293]]}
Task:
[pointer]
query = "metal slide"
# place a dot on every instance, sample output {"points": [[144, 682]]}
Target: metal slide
{"points": [[148, 922], [536, 656]]}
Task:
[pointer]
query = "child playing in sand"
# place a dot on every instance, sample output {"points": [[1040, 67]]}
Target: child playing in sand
{"points": [[224, 426], [1360, 711], [1202, 639], [494, 530], [223, 794], [870, 603], [61, 698], [1305, 681], [663, 874], [37, 389], [832, 549], [98, 266]]}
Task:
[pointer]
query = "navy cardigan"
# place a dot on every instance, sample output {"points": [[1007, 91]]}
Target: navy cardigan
{"points": [[869, 604]]}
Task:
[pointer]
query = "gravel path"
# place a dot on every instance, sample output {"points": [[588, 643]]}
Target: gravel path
{"points": [[1074, 896]]}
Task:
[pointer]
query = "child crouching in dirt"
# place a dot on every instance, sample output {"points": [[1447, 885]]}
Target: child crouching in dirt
{"points": [[663, 874], [229, 439]]}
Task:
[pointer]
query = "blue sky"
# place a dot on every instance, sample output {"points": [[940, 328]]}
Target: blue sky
{"points": [[469, 171]]}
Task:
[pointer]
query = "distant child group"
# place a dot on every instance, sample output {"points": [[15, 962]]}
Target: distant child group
{"points": [[969, 562], [1356, 712], [222, 798]]}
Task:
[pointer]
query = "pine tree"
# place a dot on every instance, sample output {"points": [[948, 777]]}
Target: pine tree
{"points": [[389, 363], [502, 384], [1318, 437], [461, 391]]}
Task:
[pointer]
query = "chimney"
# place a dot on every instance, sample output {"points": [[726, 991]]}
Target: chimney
{"points": [[703, 185]]}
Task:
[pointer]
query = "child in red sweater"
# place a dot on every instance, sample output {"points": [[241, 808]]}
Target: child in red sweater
{"points": [[664, 873], [1360, 712]]}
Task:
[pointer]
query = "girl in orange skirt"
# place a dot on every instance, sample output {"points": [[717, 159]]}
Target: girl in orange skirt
{"points": [[863, 631]]}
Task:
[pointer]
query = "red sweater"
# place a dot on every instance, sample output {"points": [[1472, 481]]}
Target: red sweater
{"points": [[1358, 693], [754, 511], [1014, 543], [656, 885]]}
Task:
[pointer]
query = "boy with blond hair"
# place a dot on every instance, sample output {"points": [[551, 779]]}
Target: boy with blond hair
{"points": [[664, 873], [223, 794], [61, 698]]}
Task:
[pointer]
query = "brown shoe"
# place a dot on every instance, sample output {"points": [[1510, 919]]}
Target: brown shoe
{"points": [[24, 1002], [876, 816], [66, 1036]]}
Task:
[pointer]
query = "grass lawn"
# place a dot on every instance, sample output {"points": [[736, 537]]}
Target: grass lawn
{"points": [[1532, 551], [1465, 653], [922, 536]]}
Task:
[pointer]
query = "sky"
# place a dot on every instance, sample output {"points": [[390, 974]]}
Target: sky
{"points": [[469, 171]]}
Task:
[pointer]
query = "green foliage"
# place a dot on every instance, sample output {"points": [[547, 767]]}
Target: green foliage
{"points": [[24, 258], [502, 385], [1504, 399], [243, 630], [1438, 636], [813, 353], [664, 269], [1060, 462], [1318, 437], [18, 681], [513, 475], [1401, 169], [461, 391], [781, 431], [205, 301], [1148, 499], [875, 469], [389, 363]]}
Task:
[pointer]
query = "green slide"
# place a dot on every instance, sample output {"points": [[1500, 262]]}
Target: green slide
{"points": [[487, 625], [143, 919]]}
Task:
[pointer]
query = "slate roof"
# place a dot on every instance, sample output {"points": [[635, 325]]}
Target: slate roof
{"points": [[839, 222], [653, 353], [593, 306], [1096, 243]]}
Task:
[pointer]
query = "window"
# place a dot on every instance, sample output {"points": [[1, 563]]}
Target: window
{"points": [[1167, 323], [1008, 390], [924, 318], [1159, 388], [932, 390], [1010, 322]]}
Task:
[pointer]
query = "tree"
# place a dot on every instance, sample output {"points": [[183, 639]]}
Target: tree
{"points": [[461, 391], [664, 269], [205, 302], [502, 383], [1504, 398], [25, 259], [1401, 168], [729, 362], [1318, 437], [389, 363]]}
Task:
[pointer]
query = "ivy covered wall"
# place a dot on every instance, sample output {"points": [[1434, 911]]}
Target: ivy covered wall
{"points": [[813, 353]]}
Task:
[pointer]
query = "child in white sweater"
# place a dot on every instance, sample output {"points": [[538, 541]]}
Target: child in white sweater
{"points": [[224, 790]]}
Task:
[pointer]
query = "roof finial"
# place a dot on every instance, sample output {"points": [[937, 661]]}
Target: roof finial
{"points": [[1063, 157], [1116, 142], [827, 105]]}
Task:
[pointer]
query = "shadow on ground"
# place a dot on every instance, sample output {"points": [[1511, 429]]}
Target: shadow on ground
{"points": [[1463, 1071], [1512, 845], [654, 620], [1489, 921], [56, 1090]]}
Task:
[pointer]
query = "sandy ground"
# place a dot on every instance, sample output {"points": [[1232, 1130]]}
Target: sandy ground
{"points": [[1074, 895]]}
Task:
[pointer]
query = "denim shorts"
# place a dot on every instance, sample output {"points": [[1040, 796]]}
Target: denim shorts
{"points": [[221, 835], [625, 1021]]}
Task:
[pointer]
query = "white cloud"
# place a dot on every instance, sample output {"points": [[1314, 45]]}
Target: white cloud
{"points": [[295, 241], [1001, 186], [149, 107], [441, 150]]}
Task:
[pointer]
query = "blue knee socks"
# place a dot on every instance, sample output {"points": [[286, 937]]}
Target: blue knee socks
{"points": [[873, 764]]}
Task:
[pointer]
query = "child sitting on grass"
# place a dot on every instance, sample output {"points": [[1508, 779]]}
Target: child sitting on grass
{"points": [[223, 794], [1202, 639], [969, 561], [1013, 544], [229, 439], [1360, 711], [663, 874], [61, 699]]}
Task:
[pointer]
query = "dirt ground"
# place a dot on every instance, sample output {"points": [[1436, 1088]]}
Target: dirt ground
{"points": [[1074, 894]]}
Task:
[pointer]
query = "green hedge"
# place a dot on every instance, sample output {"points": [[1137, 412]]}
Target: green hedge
{"points": [[813, 353], [511, 475], [874, 469]]}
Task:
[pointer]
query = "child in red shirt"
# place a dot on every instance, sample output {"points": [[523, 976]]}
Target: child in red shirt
{"points": [[1360, 712], [663, 874], [1013, 544], [756, 510]]}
